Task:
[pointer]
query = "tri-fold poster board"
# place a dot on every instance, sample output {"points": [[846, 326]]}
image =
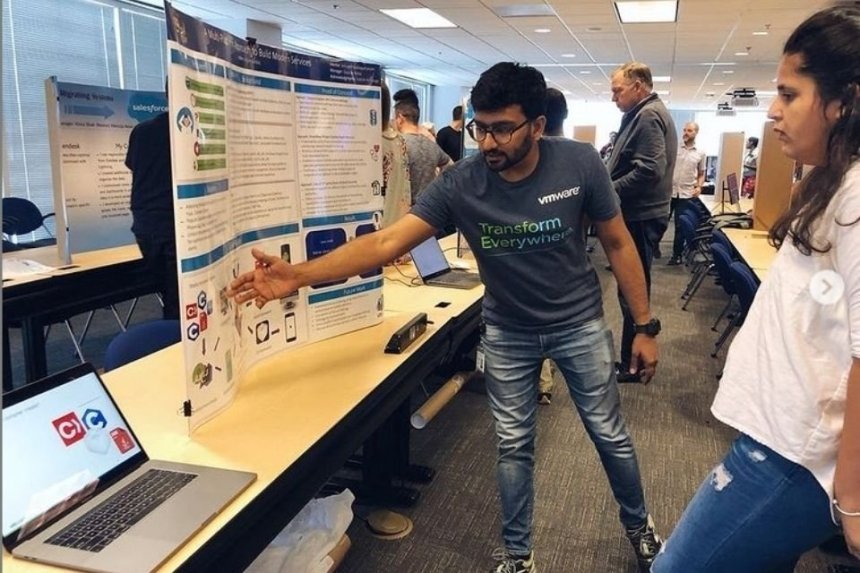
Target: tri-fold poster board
{"points": [[271, 150]]}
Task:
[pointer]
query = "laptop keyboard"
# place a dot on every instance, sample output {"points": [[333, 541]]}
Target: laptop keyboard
{"points": [[100, 526], [461, 278]]}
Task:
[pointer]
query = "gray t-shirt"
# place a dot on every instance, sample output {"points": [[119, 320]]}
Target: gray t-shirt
{"points": [[528, 236], [424, 157]]}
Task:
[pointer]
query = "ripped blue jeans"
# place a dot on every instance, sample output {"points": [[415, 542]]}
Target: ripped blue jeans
{"points": [[757, 512]]}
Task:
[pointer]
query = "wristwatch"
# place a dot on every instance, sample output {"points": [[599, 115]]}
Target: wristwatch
{"points": [[651, 328]]}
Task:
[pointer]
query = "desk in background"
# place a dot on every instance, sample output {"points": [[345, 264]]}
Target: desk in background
{"points": [[754, 248], [94, 280], [717, 208]]}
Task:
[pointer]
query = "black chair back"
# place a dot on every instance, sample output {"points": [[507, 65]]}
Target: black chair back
{"points": [[20, 217]]}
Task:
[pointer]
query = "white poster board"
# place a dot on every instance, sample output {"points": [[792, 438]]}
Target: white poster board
{"points": [[730, 161], [277, 151], [88, 131]]}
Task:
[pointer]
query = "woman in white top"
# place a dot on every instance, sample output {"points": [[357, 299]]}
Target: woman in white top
{"points": [[791, 383]]}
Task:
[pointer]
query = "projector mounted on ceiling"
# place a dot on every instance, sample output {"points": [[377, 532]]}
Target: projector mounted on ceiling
{"points": [[743, 97], [724, 109]]}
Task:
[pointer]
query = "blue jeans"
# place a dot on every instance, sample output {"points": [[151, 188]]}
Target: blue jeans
{"points": [[756, 513], [584, 355]]}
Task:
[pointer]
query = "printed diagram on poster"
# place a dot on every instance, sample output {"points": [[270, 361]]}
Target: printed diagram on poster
{"points": [[271, 150]]}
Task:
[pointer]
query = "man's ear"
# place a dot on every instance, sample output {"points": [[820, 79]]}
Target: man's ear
{"points": [[538, 127]]}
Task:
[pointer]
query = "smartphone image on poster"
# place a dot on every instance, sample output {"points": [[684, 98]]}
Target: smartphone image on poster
{"points": [[290, 326], [287, 257]]}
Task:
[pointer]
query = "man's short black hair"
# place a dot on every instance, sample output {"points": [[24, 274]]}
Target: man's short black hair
{"points": [[406, 104], [457, 113], [406, 95], [556, 111], [508, 83]]}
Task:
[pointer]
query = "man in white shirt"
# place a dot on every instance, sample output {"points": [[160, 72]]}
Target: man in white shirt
{"points": [[687, 183]]}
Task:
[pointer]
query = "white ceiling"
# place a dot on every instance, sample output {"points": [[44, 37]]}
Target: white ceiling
{"points": [[698, 51]]}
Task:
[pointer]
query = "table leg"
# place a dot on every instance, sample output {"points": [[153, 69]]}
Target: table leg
{"points": [[35, 360], [7, 361]]}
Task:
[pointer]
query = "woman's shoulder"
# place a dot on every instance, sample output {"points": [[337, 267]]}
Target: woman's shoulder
{"points": [[845, 205]]}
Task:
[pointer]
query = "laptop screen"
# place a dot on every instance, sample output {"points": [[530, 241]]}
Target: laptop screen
{"points": [[59, 443], [429, 258]]}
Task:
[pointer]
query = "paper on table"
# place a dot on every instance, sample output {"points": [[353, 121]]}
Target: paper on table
{"points": [[15, 268]]}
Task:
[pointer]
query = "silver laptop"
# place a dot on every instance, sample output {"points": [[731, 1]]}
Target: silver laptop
{"points": [[434, 269], [80, 492]]}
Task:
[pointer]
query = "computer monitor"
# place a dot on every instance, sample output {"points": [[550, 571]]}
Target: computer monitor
{"points": [[733, 188]]}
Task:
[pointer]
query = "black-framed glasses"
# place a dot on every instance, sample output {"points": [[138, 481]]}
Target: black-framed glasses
{"points": [[502, 134]]}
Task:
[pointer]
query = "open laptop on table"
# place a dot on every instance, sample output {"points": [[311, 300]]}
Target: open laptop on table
{"points": [[434, 269], [79, 491]]}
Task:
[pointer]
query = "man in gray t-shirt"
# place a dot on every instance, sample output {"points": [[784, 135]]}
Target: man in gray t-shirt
{"points": [[425, 155], [520, 205]]}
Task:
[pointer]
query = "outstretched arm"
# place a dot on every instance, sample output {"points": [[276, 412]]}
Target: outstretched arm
{"points": [[273, 278]]}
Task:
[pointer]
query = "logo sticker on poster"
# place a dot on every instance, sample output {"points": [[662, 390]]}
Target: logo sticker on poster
{"points": [[193, 331]]}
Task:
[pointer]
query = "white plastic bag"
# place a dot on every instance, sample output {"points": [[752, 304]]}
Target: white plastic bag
{"points": [[304, 544]]}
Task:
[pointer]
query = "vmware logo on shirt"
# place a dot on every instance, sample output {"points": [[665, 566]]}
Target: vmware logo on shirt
{"points": [[559, 195]]}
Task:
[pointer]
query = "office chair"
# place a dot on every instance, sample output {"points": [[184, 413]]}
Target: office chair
{"points": [[20, 217], [697, 254], [140, 340], [722, 264], [746, 286]]}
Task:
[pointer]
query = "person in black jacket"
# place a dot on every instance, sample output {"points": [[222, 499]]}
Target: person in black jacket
{"points": [[450, 137], [641, 167], [148, 158]]}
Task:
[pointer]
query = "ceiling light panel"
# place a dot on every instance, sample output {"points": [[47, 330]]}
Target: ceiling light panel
{"points": [[419, 18], [523, 10], [647, 11]]}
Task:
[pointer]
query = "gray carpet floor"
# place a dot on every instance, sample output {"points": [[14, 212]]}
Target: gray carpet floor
{"points": [[456, 522]]}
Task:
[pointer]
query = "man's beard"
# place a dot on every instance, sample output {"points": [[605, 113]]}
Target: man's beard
{"points": [[503, 160]]}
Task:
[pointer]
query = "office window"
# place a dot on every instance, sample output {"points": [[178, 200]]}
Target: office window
{"points": [[106, 43], [96, 42], [144, 38]]}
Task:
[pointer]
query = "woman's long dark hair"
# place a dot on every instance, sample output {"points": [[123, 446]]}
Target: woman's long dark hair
{"points": [[828, 44]]}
